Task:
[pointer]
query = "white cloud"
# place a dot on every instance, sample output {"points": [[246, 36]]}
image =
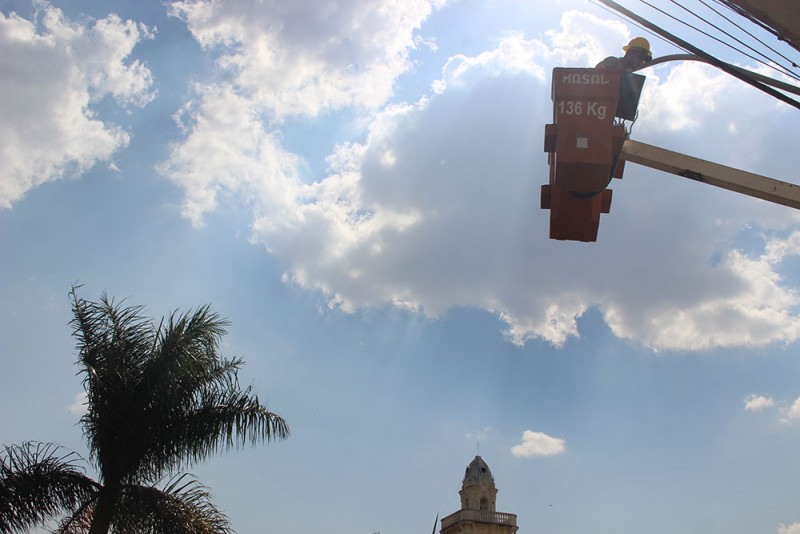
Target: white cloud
{"points": [[515, 54], [750, 308], [687, 102], [794, 528], [227, 150], [794, 411], [289, 59], [582, 39], [538, 444], [789, 414], [438, 207], [51, 73], [303, 57], [462, 178], [79, 404], [757, 403]]}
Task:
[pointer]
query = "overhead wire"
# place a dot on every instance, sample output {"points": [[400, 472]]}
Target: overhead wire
{"points": [[746, 14], [704, 32], [725, 4], [745, 30], [782, 69], [783, 86], [757, 80], [641, 27], [730, 69], [786, 71]]}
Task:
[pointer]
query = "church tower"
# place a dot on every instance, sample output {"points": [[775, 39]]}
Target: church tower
{"points": [[478, 513]]}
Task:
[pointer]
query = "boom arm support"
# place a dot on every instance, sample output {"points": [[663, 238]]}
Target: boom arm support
{"points": [[715, 174]]}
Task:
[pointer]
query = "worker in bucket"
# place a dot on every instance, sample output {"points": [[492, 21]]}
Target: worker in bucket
{"points": [[637, 55]]}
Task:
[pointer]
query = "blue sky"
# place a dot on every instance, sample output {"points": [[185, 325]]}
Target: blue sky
{"points": [[355, 185]]}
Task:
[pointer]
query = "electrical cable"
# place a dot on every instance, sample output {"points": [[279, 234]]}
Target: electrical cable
{"points": [[744, 30], [783, 86], [688, 56], [746, 14], [735, 9], [645, 30], [783, 69], [706, 56], [704, 32]]}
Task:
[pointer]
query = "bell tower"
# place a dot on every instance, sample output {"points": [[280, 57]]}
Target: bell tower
{"points": [[478, 491], [478, 514]]}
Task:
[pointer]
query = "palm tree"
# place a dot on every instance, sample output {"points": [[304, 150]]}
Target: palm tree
{"points": [[159, 399]]}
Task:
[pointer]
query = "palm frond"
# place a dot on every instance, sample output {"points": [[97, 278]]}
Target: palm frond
{"points": [[198, 333], [219, 415], [160, 397], [110, 337], [39, 481], [78, 522], [185, 357], [236, 417], [189, 341], [183, 507], [216, 419], [114, 344]]}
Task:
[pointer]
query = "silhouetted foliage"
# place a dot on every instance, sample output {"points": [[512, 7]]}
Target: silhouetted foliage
{"points": [[159, 398]]}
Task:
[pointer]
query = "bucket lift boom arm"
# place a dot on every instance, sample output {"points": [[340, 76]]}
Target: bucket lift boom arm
{"points": [[700, 170]]}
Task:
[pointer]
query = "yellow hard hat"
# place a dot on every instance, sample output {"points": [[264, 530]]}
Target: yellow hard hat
{"points": [[639, 42]]}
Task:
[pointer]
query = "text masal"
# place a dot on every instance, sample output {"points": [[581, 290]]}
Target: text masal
{"points": [[585, 79]]}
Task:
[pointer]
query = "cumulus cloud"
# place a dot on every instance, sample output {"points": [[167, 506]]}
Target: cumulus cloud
{"points": [[794, 528], [52, 71], [538, 444], [79, 404], [582, 39], [514, 55], [228, 150], [438, 206], [303, 57], [288, 59], [757, 403], [789, 413], [794, 411]]}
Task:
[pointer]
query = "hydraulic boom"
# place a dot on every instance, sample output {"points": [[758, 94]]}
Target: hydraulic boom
{"points": [[700, 170]]}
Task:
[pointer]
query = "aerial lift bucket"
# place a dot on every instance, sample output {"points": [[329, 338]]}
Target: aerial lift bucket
{"points": [[583, 146]]}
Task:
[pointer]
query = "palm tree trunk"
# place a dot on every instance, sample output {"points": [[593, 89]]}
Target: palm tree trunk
{"points": [[104, 511]]}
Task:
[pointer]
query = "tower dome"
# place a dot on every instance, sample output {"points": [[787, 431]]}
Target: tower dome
{"points": [[477, 471], [478, 491], [478, 513]]}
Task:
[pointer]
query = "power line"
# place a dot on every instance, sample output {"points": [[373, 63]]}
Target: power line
{"points": [[783, 86], [757, 77], [747, 32], [706, 33], [645, 30], [746, 14], [657, 36], [783, 69], [706, 56]]}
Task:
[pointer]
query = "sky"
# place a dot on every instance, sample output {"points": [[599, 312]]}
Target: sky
{"points": [[355, 184]]}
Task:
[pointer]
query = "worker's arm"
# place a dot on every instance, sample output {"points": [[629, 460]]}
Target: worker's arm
{"points": [[610, 63]]}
